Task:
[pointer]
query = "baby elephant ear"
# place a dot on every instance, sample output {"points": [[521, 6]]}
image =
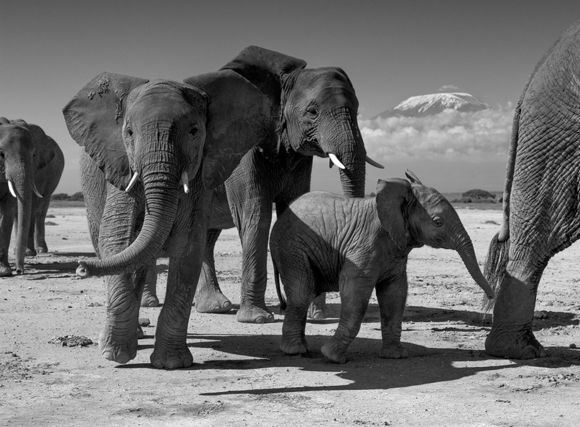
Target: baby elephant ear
{"points": [[239, 117], [392, 196], [94, 118]]}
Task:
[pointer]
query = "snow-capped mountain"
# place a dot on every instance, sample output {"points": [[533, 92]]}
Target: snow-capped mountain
{"points": [[429, 105]]}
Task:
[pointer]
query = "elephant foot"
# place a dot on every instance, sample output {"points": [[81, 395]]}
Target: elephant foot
{"points": [[30, 252], [394, 351], [118, 350], [317, 309], [42, 250], [5, 271], [514, 345], [293, 345], [172, 358], [332, 352], [253, 314], [149, 300], [212, 302]]}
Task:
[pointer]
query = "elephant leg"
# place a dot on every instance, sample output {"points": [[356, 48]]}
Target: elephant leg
{"points": [[354, 295], [299, 294], [209, 297], [118, 338], [148, 296], [392, 297], [7, 209], [511, 334], [254, 231], [185, 263], [39, 232]]}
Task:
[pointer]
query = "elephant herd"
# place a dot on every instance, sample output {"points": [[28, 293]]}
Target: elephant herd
{"points": [[166, 166]]}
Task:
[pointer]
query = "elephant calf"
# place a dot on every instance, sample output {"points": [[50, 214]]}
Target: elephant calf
{"points": [[325, 242]]}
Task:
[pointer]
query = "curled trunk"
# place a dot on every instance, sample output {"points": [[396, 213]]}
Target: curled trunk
{"points": [[160, 182]]}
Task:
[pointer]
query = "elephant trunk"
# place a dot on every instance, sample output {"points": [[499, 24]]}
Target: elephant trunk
{"points": [[160, 181], [465, 249], [344, 141], [21, 181]]}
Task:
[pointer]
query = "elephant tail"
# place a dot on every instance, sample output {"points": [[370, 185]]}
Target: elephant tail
{"points": [[278, 289], [495, 266]]}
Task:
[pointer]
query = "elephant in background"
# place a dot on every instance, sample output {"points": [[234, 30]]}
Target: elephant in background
{"points": [[541, 196], [325, 242], [31, 164], [154, 151], [316, 115]]}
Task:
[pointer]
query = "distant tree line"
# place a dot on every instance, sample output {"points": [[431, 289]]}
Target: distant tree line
{"points": [[477, 196], [76, 197]]}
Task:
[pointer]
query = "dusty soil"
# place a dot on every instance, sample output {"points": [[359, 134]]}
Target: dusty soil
{"points": [[241, 378]]}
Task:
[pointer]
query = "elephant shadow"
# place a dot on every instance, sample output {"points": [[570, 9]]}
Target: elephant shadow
{"points": [[364, 370], [416, 314]]}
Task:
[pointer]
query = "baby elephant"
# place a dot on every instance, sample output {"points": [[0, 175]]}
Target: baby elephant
{"points": [[325, 242]]}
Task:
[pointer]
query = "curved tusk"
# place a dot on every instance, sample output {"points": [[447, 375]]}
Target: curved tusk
{"points": [[132, 182], [36, 190], [184, 181], [336, 161], [11, 188], [373, 163]]}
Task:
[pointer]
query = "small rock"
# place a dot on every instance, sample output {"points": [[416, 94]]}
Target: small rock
{"points": [[144, 321], [540, 315], [71, 341], [573, 345]]}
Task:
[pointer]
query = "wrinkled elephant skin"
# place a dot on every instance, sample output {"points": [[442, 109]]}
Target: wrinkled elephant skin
{"points": [[31, 164], [325, 242], [316, 117], [540, 203], [154, 151]]}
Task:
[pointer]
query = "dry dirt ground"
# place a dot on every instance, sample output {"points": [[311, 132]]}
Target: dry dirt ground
{"points": [[241, 378]]}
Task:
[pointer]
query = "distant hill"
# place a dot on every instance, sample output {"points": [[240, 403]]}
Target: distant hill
{"points": [[429, 105]]}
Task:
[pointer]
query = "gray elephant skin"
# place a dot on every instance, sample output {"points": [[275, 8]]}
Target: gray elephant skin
{"points": [[325, 242], [316, 115], [154, 150], [31, 164], [541, 196]]}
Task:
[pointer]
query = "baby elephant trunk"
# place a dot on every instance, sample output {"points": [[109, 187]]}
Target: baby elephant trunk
{"points": [[467, 253]]}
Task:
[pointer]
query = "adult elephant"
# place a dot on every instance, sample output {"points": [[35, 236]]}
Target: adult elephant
{"points": [[316, 116], [144, 142], [31, 164], [541, 197]]}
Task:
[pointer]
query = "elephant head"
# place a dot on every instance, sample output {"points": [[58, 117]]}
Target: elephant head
{"points": [[414, 215], [316, 112], [18, 163], [163, 134]]}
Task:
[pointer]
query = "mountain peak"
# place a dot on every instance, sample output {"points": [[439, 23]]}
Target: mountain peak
{"points": [[429, 105]]}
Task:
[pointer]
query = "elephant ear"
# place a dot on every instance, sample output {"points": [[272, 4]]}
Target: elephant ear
{"points": [[392, 197], [94, 120], [44, 152], [268, 70], [239, 116]]}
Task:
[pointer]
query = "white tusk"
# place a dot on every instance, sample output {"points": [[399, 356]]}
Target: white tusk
{"points": [[36, 190], [132, 182], [373, 163], [184, 181], [336, 161], [11, 188]]}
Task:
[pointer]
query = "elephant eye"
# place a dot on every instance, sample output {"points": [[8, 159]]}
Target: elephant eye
{"points": [[312, 111], [1, 154], [437, 221], [193, 132], [129, 132]]}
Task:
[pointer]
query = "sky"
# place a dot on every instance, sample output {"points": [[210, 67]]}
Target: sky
{"points": [[390, 49]]}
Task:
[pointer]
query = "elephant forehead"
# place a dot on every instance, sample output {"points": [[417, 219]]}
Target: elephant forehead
{"points": [[15, 136]]}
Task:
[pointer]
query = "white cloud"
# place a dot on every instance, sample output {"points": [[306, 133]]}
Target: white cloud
{"points": [[448, 88], [450, 135]]}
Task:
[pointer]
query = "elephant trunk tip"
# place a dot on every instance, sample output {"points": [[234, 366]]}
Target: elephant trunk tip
{"points": [[82, 270]]}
